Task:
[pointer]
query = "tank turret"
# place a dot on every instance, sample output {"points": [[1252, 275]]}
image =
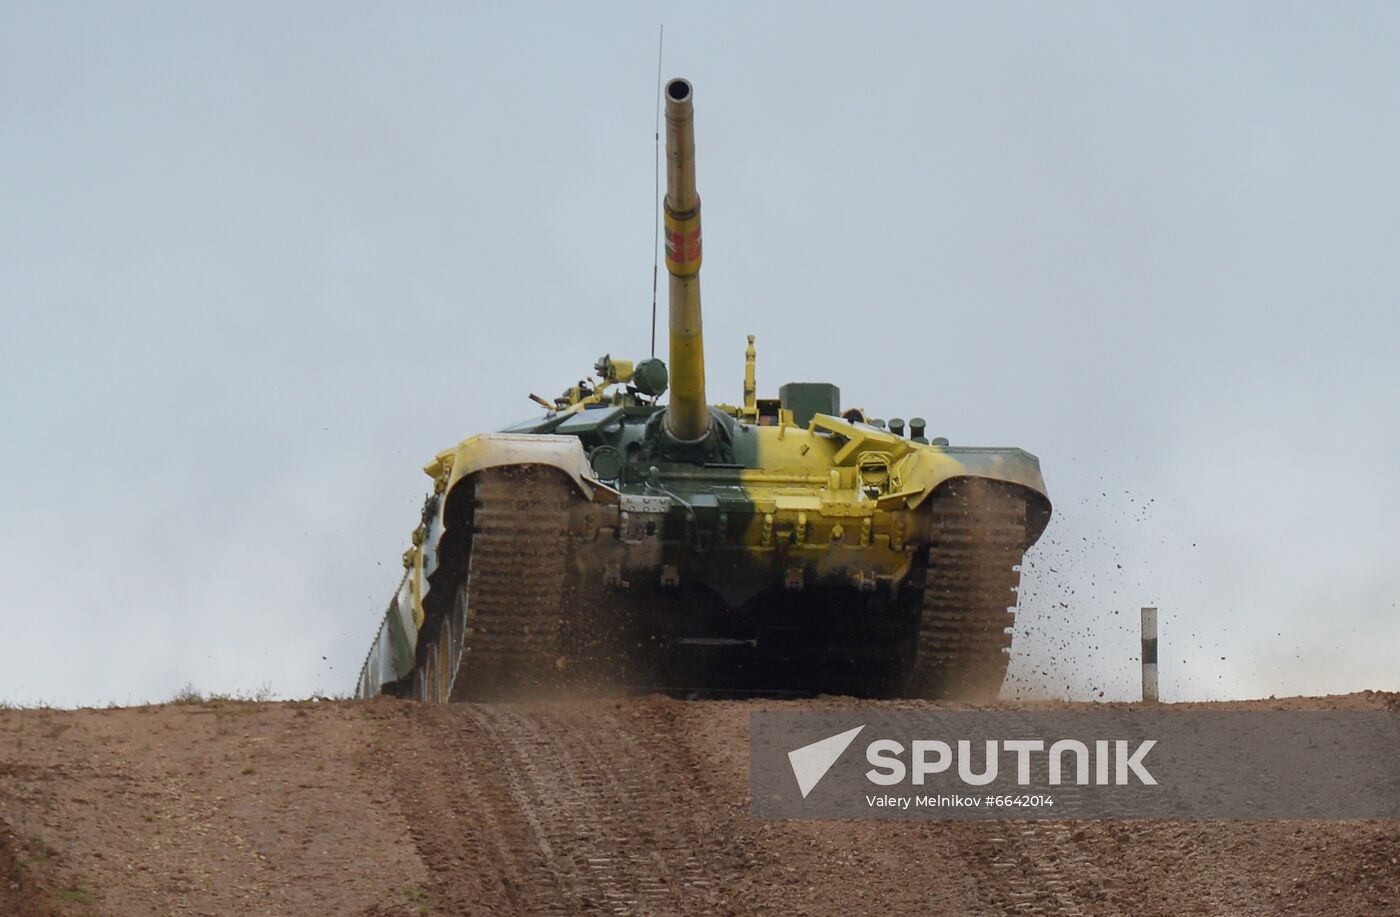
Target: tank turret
{"points": [[688, 416]]}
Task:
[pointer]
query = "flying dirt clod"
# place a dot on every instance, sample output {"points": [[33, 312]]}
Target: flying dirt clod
{"points": [[778, 544]]}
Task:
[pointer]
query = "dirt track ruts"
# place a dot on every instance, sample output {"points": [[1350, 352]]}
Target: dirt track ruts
{"points": [[628, 805]]}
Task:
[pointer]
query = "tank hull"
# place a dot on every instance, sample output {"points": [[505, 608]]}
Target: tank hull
{"points": [[835, 557]]}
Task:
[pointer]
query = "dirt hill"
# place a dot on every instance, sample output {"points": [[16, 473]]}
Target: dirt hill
{"points": [[634, 805]]}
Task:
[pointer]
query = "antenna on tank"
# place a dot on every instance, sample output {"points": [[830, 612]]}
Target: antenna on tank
{"points": [[656, 187]]}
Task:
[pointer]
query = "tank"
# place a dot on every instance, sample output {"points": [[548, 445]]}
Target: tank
{"points": [[627, 538]]}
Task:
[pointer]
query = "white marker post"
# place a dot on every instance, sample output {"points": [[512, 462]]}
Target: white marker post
{"points": [[1149, 655]]}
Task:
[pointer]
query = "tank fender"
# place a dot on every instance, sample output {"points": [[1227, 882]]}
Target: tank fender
{"points": [[492, 450], [924, 470]]}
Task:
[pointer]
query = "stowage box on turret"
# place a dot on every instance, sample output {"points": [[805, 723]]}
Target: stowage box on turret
{"points": [[779, 544]]}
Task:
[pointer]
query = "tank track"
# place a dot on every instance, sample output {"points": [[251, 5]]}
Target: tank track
{"points": [[509, 609], [978, 532]]}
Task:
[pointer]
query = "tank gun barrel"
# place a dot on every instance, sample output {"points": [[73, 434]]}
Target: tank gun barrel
{"points": [[687, 416]]}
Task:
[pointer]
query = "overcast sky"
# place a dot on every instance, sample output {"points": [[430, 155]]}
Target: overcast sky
{"points": [[259, 262]]}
